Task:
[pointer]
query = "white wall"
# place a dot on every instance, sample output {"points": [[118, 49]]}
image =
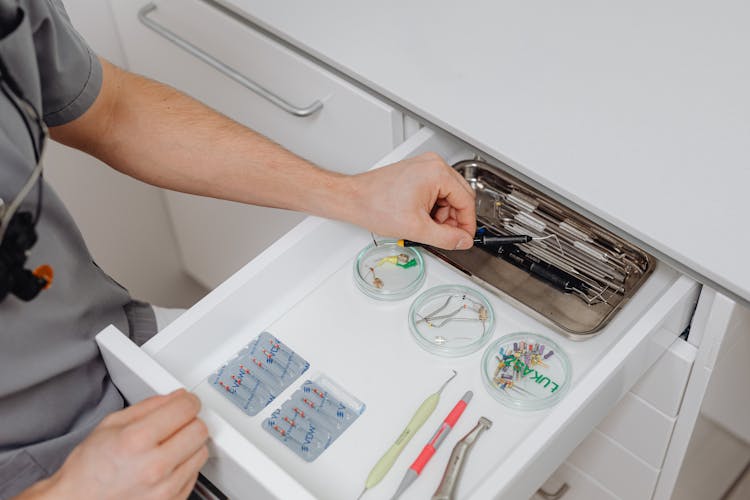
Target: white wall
{"points": [[124, 221]]}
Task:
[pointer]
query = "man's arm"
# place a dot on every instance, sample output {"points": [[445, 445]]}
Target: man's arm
{"points": [[156, 134]]}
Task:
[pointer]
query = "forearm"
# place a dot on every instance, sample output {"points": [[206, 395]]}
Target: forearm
{"points": [[156, 134]]}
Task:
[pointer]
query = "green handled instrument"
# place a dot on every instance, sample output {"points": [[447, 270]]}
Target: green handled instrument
{"points": [[420, 417]]}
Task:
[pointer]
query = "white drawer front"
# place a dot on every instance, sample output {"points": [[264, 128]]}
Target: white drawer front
{"points": [[349, 133], [580, 486], [664, 384], [366, 346], [639, 428], [617, 470]]}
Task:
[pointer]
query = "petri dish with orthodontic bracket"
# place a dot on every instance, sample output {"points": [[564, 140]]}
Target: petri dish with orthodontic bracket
{"points": [[388, 271], [451, 320]]}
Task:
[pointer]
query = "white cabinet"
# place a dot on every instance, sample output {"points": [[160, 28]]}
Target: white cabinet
{"points": [[301, 289], [348, 133]]}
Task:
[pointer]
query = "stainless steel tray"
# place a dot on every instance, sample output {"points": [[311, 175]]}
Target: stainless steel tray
{"points": [[608, 269]]}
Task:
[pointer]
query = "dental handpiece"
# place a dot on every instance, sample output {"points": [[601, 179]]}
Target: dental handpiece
{"points": [[447, 488]]}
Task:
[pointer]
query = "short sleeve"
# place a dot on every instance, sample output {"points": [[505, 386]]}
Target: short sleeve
{"points": [[69, 71]]}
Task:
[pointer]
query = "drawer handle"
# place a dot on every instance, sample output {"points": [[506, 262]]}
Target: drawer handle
{"points": [[561, 491], [143, 16]]}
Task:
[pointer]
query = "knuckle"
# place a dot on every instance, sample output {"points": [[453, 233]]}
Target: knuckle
{"points": [[202, 455], [134, 439], [201, 429], [189, 403], [154, 472], [108, 421]]}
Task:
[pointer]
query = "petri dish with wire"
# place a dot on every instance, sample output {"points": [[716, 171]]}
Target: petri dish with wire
{"points": [[526, 371], [388, 271], [451, 320]]}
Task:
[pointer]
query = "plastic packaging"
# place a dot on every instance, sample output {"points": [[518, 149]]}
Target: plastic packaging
{"points": [[314, 417], [258, 373]]}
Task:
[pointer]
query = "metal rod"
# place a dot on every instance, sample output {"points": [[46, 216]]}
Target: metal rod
{"points": [[163, 31]]}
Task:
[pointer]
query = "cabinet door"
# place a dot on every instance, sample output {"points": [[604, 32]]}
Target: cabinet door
{"points": [[215, 58]]}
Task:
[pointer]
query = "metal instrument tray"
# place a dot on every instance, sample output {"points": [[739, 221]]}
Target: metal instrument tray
{"points": [[609, 269]]}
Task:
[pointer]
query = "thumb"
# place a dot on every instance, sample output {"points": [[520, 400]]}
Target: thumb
{"points": [[447, 237]]}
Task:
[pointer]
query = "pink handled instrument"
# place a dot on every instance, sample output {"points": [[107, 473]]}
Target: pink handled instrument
{"points": [[415, 469]]}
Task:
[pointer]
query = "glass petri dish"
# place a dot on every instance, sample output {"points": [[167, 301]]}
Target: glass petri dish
{"points": [[526, 371], [451, 320], [388, 271]]}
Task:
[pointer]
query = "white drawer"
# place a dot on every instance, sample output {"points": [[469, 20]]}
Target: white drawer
{"points": [[580, 486], [349, 133], [616, 469], [640, 428], [664, 384], [301, 289]]}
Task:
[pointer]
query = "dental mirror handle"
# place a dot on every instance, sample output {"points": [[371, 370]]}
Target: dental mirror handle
{"points": [[447, 488], [386, 461]]}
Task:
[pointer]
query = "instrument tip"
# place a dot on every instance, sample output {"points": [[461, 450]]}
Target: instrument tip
{"points": [[362, 494], [447, 381]]}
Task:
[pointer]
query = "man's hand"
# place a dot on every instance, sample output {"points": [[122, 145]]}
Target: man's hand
{"points": [[421, 199], [153, 449]]}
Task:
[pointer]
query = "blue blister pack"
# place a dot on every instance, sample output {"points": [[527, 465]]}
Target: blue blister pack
{"points": [[258, 373], [314, 417]]}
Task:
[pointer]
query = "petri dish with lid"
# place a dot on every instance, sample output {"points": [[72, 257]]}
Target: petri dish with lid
{"points": [[388, 271], [526, 371], [451, 320]]}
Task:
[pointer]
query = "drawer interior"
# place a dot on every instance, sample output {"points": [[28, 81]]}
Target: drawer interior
{"points": [[302, 290], [366, 346]]}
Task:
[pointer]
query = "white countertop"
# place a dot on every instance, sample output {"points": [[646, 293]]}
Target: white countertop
{"points": [[637, 111]]}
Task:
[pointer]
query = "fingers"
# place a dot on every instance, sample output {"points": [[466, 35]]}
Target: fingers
{"points": [[441, 214], [181, 480], [461, 209], [168, 418], [446, 236], [184, 443], [187, 489], [139, 410]]}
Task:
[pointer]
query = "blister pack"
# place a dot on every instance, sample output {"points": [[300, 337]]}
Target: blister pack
{"points": [[314, 417], [258, 373]]}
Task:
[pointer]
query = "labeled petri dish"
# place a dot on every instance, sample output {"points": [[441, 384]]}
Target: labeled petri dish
{"points": [[526, 371], [451, 320], [388, 271]]}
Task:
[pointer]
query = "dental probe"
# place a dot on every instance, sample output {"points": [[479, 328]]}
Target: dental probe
{"points": [[385, 463], [483, 240]]}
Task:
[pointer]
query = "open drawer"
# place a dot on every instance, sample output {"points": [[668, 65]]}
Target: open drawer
{"points": [[301, 289]]}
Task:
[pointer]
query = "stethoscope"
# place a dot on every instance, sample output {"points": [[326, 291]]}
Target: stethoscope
{"points": [[18, 229], [30, 116]]}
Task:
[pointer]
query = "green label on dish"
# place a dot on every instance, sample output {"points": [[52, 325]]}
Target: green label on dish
{"points": [[537, 377]]}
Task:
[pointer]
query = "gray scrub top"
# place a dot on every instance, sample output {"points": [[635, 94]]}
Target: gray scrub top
{"points": [[53, 383]]}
